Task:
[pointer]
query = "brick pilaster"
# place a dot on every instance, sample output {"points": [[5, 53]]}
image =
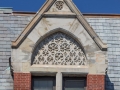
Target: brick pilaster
{"points": [[95, 82], [22, 81]]}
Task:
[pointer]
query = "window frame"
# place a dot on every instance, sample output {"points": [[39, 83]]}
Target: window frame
{"points": [[43, 78], [74, 78]]}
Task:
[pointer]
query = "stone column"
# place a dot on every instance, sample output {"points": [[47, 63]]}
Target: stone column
{"points": [[59, 81]]}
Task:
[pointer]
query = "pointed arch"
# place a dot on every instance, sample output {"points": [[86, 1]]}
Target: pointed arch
{"points": [[58, 47]]}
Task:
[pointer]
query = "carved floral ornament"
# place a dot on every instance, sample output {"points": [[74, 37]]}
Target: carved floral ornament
{"points": [[59, 49], [59, 5]]}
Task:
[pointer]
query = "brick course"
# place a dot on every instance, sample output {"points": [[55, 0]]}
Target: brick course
{"points": [[95, 82], [22, 81]]}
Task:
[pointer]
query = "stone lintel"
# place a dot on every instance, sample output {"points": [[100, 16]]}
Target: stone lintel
{"points": [[62, 69]]}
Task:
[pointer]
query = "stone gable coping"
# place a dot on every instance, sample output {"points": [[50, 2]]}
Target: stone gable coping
{"points": [[41, 13]]}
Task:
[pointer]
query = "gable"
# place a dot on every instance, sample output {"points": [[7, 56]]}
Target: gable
{"points": [[47, 25], [46, 7], [44, 24]]}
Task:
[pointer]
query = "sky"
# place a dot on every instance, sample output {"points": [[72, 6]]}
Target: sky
{"points": [[85, 6]]}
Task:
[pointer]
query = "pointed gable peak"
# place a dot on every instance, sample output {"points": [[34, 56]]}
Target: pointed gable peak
{"points": [[59, 5], [59, 8]]}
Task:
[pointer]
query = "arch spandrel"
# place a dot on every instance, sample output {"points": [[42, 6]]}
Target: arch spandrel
{"points": [[58, 49]]}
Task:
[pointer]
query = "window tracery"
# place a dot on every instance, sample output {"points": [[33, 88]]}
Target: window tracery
{"points": [[59, 49]]}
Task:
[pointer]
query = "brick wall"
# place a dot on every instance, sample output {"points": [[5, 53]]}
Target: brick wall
{"points": [[22, 81], [95, 82]]}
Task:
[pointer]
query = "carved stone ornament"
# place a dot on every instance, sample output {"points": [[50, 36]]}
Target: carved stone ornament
{"points": [[59, 5], [59, 49]]}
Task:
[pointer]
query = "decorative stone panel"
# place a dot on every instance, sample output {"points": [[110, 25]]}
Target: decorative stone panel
{"points": [[59, 5], [59, 49]]}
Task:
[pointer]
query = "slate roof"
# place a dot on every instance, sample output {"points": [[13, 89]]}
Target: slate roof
{"points": [[108, 29], [10, 27]]}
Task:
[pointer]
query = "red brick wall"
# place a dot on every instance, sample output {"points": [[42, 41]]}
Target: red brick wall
{"points": [[22, 81], [95, 82]]}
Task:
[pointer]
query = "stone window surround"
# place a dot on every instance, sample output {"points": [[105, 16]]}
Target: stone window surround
{"points": [[59, 70], [57, 30]]}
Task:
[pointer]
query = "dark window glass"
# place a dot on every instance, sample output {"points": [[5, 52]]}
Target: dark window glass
{"points": [[74, 84], [43, 83]]}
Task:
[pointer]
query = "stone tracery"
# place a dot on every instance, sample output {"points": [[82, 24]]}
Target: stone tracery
{"points": [[59, 5], [59, 49]]}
